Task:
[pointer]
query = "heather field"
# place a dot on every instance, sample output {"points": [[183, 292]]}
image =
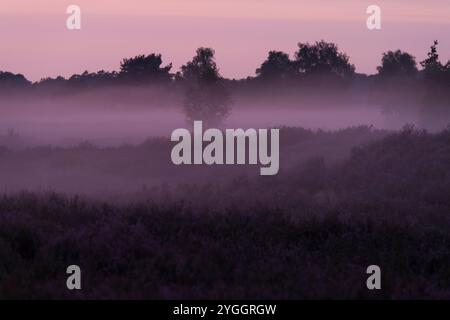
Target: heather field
{"points": [[343, 200]]}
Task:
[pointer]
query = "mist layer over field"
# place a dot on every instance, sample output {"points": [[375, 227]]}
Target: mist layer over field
{"points": [[65, 123], [116, 141], [93, 184]]}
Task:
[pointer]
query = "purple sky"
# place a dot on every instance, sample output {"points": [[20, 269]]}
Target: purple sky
{"points": [[35, 40]]}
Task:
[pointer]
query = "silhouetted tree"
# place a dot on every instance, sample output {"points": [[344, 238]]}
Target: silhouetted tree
{"points": [[396, 82], [206, 97], [277, 66], [437, 81], [202, 68], [145, 69], [432, 67], [322, 58], [397, 64]]}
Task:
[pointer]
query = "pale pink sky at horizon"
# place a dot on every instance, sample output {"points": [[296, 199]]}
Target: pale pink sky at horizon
{"points": [[35, 41]]}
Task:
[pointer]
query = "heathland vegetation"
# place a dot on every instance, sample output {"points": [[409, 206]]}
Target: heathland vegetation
{"points": [[309, 232]]}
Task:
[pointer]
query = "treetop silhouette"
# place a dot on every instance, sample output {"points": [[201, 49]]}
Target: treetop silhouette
{"points": [[397, 64], [323, 58], [206, 97], [144, 68]]}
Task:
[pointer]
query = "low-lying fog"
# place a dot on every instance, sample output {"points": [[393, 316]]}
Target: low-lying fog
{"points": [[79, 168], [113, 127]]}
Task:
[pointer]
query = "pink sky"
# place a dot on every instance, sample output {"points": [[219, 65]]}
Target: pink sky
{"points": [[35, 41]]}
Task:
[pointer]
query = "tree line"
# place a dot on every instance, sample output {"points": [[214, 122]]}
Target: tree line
{"points": [[399, 78], [319, 58]]}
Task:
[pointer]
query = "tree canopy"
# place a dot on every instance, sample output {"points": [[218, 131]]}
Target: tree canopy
{"points": [[145, 68], [202, 67], [206, 97], [277, 66], [397, 64], [322, 58]]}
